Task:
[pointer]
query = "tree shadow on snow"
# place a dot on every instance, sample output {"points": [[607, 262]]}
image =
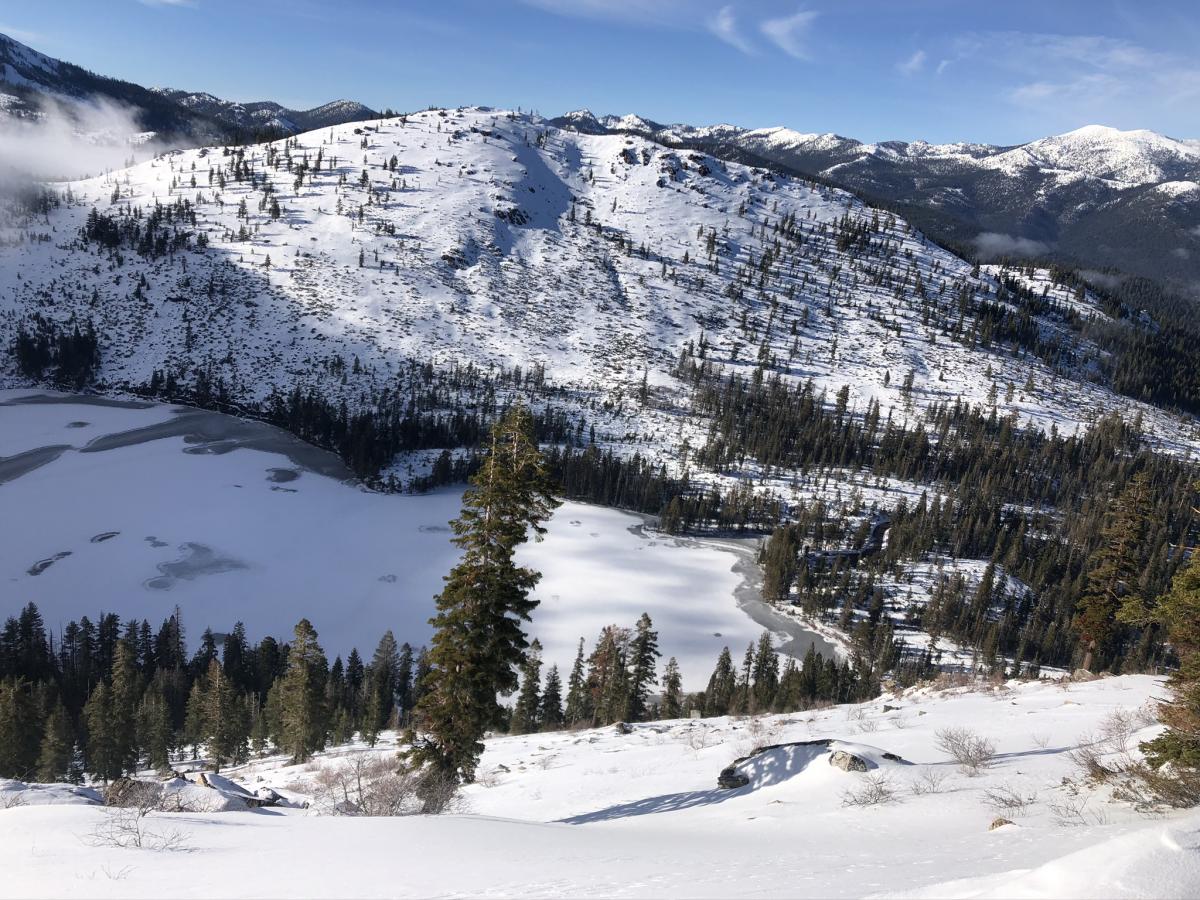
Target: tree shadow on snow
{"points": [[764, 770]]}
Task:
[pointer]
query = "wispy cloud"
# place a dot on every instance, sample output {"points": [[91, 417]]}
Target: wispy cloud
{"points": [[913, 64], [790, 33], [20, 34], [643, 12], [724, 25]]}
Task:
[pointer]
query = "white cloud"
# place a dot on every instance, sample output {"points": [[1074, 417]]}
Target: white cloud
{"points": [[790, 32], [944, 65], [913, 64], [1076, 75], [637, 12], [71, 139], [724, 25], [20, 34], [993, 243]]}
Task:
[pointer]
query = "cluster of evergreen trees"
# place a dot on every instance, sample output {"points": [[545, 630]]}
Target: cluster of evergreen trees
{"points": [[109, 697]]}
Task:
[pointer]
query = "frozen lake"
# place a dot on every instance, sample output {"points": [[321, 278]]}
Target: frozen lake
{"points": [[134, 508]]}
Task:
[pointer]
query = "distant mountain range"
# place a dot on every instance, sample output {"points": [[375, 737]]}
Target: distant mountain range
{"points": [[1095, 197], [29, 79]]}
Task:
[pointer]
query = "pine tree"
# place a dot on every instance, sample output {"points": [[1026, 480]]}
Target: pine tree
{"points": [[1179, 745], [718, 697], [154, 728], [525, 711], [58, 746], [608, 679], [551, 710], [765, 674], [478, 640], [1113, 571], [125, 696], [103, 754], [579, 706], [302, 711], [20, 728], [226, 728], [643, 656], [672, 702], [381, 681]]}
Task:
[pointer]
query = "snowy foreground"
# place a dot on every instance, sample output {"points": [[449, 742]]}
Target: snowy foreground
{"points": [[598, 813]]}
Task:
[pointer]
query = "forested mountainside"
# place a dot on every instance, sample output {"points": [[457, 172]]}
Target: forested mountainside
{"points": [[1122, 202], [723, 345]]}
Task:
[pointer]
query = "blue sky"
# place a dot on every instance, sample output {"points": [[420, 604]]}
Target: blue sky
{"points": [[1000, 72]]}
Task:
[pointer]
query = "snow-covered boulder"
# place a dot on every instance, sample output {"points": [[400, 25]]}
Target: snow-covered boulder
{"points": [[779, 762]]}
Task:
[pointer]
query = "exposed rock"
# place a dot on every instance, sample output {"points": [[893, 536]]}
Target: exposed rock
{"points": [[847, 762], [730, 778], [623, 728], [999, 822]]}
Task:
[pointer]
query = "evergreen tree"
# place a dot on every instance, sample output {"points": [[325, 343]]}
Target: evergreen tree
{"points": [[301, 697], [718, 696], [1179, 745], [125, 696], [478, 640], [525, 711], [1113, 572], [20, 728], [551, 710], [57, 751], [672, 702], [103, 756], [765, 674], [154, 727], [226, 728], [579, 706], [643, 656], [382, 683]]}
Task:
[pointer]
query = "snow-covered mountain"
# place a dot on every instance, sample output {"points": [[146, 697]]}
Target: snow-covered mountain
{"points": [[1097, 196], [483, 237], [29, 79], [264, 116]]}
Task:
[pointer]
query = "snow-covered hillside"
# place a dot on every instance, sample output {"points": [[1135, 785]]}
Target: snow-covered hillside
{"points": [[485, 238], [601, 813]]}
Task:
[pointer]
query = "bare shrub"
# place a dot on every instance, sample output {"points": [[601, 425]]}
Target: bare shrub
{"points": [[1005, 798], [874, 789], [366, 785], [133, 827], [11, 800], [930, 781], [1117, 730], [971, 751], [1041, 741], [1073, 811], [1087, 758]]}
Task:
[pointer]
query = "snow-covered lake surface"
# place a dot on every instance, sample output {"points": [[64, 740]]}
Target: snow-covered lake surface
{"points": [[136, 508]]}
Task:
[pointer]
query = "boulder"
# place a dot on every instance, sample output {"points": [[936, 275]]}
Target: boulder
{"points": [[847, 762], [999, 822]]}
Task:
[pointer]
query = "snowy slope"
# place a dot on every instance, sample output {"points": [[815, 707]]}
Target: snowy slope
{"points": [[500, 241], [598, 813]]}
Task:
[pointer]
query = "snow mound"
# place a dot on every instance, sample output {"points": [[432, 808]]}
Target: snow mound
{"points": [[1160, 861], [775, 764], [18, 793], [185, 796]]}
